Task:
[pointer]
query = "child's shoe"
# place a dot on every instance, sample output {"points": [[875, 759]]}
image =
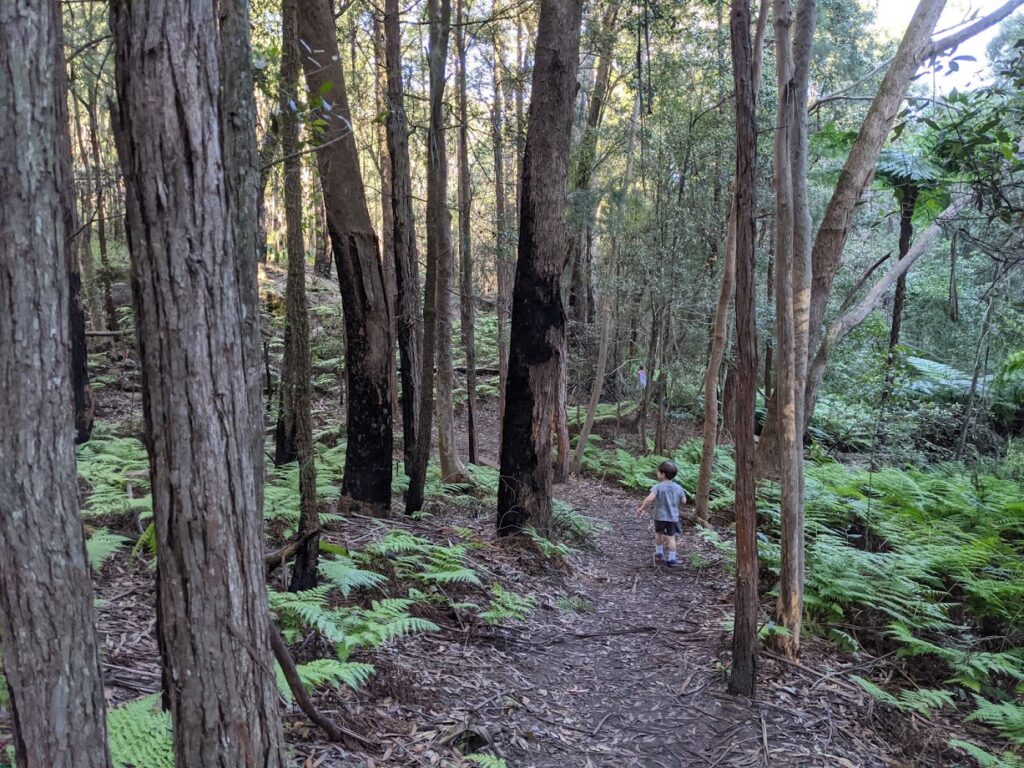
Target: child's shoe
{"points": [[659, 557], [671, 563]]}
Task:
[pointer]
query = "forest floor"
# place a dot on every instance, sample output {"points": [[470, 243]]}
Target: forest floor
{"points": [[622, 663]]}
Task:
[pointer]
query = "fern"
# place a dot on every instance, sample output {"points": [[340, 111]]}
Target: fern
{"points": [[325, 672], [985, 759], [101, 546], [924, 701], [346, 575], [486, 761], [506, 605], [1007, 718], [140, 735]]}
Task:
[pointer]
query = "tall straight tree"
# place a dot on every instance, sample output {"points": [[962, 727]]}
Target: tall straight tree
{"points": [[410, 340], [537, 343], [719, 330], [743, 216], [46, 618], [792, 294], [368, 342], [466, 294], [502, 256], [439, 238], [294, 433], [175, 138]]}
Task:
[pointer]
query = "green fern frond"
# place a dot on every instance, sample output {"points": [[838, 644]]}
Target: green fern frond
{"points": [[140, 735], [101, 546], [346, 575], [486, 761], [507, 606], [986, 759], [1006, 717], [325, 672]]}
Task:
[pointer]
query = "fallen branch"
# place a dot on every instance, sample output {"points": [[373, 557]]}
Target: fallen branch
{"points": [[334, 731], [276, 558]]}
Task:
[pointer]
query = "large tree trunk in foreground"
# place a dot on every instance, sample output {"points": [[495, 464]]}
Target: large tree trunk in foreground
{"points": [[743, 675], [537, 341], [466, 293], [406, 259], [172, 130], [294, 433], [367, 326], [439, 239], [46, 617]]}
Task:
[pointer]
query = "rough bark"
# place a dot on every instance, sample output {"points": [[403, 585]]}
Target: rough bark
{"points": [[175, 137], [46, 618], [86, 263], [466, 292], [743, 676], [439, 239], [538, 318], [406, 259], [364, 299], [505, 267], [294, 432], [105, 273]]}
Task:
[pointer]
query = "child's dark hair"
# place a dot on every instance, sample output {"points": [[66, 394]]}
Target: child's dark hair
{"points": [[668, 469]]}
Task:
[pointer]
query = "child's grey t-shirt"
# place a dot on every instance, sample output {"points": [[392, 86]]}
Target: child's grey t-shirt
{"points": [[666, 505]]}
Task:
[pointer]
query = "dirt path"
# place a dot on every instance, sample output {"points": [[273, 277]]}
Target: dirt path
{"points": [[638, 681]]}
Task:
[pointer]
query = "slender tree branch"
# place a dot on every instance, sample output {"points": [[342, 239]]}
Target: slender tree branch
{"points": [[334, 731], [955, 39]]}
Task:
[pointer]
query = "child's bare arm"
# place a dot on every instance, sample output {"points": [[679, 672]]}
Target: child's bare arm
{"points": [[651, 498]]}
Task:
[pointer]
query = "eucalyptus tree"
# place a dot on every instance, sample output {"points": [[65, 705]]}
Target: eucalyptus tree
{"points": [[182, 125], [46, 615], [537, 342], [368, 341]]}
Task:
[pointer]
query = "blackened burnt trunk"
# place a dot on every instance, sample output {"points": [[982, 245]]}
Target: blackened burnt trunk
{"points": [[537, 342], [368, 342]]}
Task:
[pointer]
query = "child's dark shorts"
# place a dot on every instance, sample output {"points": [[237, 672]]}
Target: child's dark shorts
{"points": [[667, 527]]}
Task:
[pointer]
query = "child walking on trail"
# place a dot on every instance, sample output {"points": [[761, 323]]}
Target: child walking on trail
{"points": [[666, 497]]}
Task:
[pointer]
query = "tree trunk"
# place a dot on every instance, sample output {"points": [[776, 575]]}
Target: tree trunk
{"points": [[857, 172], [367, 325], [792, 286], [177, 132], [294, 433], [85, 258], [467, 294], [719, 337], [406, 259], [581, 291], [538, 319], [908, 201], [439, 240], [743, 676], [503, 236], [47, 628], [101, 217], [268, 149], [606, 302]]}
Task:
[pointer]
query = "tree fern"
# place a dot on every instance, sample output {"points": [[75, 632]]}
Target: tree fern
{"points": [[140, 735]]}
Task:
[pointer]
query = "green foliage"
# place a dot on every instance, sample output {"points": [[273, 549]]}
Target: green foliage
{"points": [[101, 546], [507, 606], [346, 575], [109, 465], [548, 549], [487, 761], [1005, 717], [325, 673], [924, 701], [140, 735], [986, 759]]}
